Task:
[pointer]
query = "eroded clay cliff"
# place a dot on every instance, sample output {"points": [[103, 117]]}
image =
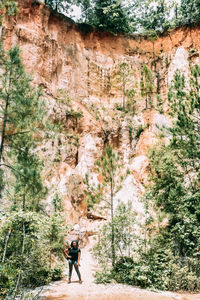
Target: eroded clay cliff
{"points": [[80, 76]]}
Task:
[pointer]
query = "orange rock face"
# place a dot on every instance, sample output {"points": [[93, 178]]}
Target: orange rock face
{"points": [[85, 66], [61, 56]]}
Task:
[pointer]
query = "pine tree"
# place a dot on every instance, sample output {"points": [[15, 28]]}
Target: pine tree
{"points": [[9, 8], [27, 167], [125, 235], [189, 11], [24, 229], [87, 11], [110, 16], [124, 76], [21, 111], [154, 16], [146, 86], [175, 167], [150, 17], [61, 6], [109, 168], [171, 255]]}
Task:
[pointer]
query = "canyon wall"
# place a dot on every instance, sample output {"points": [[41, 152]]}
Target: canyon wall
{"points": [[84, 90]]}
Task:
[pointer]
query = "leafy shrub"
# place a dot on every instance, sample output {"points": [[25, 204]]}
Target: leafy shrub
{"points": [[44, 236], [103, 277], [122, 270], [139, 130], [56, 273], [158, 268]]}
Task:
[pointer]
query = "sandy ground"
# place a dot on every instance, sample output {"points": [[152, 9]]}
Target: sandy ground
{"points": [[88, 290]]}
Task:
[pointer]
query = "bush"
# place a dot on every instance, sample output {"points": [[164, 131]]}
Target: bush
{"points": [[56, 273], [103, 277], [122, 270], [159, 269], [43, 237]]}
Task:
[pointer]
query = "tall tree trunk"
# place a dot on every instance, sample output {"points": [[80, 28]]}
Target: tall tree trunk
{"points": [[5, 117], [3, 133], [6, 245], [24, 200], [112, 225], [22, 262], [22, 251], [154, 58], [124, 92], [129, 233]]}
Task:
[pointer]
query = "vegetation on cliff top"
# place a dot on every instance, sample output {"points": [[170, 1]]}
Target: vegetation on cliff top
{"points": [[123, 16]]}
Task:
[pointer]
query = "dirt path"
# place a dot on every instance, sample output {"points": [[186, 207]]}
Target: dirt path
{"points": [[88, 290]]}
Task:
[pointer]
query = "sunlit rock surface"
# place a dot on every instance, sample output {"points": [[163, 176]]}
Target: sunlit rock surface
{"points": [[84, 66]]}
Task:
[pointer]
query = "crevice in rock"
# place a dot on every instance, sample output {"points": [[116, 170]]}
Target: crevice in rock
{"points": [[91, 216]]}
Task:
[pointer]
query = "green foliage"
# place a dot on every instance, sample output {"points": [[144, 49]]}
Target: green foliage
{"points": [[147, 17], [123, 221], [74, 114], [147, 86], [61, 6], [130, 132], [37, 269], [153, 266], [139, 130], [154, 16], [55, 234], [62, 97], [28, 237], [57, 273], [158, 268], [57, 203], [159, 105], [167, 255], [175, 174], [104, 277], [108, 166], [168, 178], [28, 188], [189, 12], [21, 113], [21, 109], [175, 170], [131, 102], [85, 28], [92, 193], [2, 183], [123, 269], [185, 108], [124, 76], [10, 8], [110, 16]]}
